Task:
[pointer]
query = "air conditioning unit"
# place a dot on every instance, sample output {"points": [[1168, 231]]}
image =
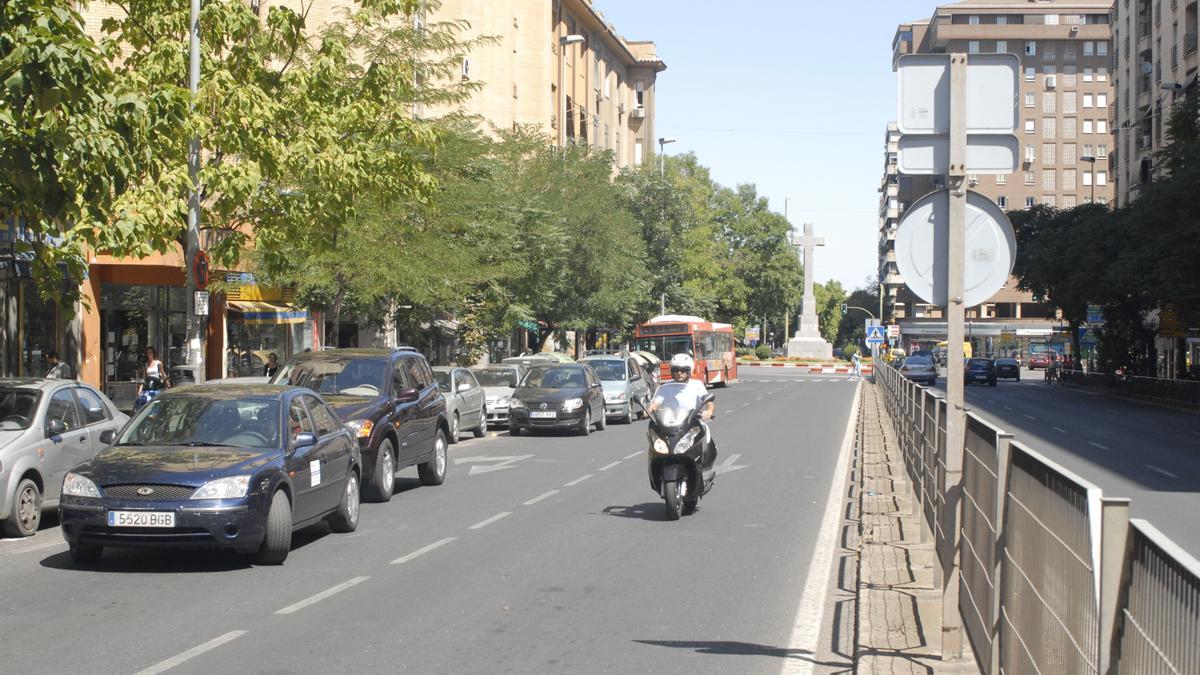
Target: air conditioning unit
{"points": [[1051, 81], [973, 182], [637, 113]]}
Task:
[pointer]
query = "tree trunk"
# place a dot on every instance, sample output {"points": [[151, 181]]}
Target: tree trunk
{"points": [[335, 311]]}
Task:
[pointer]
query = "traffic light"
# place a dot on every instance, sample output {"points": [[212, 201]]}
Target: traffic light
{"points": [[845, 309]]}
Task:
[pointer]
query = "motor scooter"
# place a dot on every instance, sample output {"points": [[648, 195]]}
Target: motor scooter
{"points": [[681, 456]]}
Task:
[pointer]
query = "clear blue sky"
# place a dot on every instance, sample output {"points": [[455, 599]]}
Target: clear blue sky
{"points": [[791, 95]]}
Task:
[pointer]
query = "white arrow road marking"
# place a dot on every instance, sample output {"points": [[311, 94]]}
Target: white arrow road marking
{"points": [[1162, 471], [501, 463], [730, 465]]}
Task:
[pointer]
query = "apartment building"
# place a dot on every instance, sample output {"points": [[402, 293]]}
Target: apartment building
{"points": [[1156, 56], [1065, 120], [560, 66]]}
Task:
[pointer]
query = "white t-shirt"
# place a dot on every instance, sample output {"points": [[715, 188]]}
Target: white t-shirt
{"points": [[687, 396]]}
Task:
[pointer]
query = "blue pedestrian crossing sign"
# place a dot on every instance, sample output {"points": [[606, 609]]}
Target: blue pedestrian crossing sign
{"points": [[876, 335]]}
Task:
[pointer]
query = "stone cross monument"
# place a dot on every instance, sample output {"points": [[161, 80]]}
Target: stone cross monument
{"points": [[807, 342]]}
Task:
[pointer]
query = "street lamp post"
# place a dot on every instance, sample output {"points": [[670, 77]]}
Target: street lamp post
{"points": [[662, 159], [564, 42], [195, 327], [1091, 159]]}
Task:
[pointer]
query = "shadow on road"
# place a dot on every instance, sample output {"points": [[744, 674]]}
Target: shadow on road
{"points": [[134, 560], [734, 648], [648, 511]]}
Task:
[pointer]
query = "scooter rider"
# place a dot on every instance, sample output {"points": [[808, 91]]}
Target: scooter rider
{"points": [[689, 396]]}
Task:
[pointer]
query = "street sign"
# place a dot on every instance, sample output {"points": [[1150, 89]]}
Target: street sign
{"points": [[1088, 337], [923, 114], [867, 323], [989, 255], [201, 303], [893, 331], [992, 87], [752, 333], [1095, 314], [875, 335]]}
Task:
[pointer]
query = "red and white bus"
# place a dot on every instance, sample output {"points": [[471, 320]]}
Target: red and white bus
{"points": [[709, 344]]}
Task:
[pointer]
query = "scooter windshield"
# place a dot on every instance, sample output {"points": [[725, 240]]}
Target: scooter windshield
{"points": [[676, 407]]}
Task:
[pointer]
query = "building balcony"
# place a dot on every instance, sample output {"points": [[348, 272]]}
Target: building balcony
{"points": [[943, 33], [1190, 42]]}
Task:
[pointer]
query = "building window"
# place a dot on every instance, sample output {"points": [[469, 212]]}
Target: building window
{"points": [[1068, 154], [973, 46], [1049, 179], [1049, 127], [1030, 74], [637, 152], [1069, 78], [1070, 53], [1001, 46], [973, 20], [1029, 177], [1102, 74], [1048, 52], [1087, 126], [1089, 48], [1069, 178], [1102, 151], [1101, 100], [1087, 178], [1070, 125], [1029, 202], [1051, 19], [1002, 202], [1030, 99], [1049, 101], [1069, 101], [640, 94], [1102, 126], [1030, 154], [1102, 48], [1049, 200], [1001, 179], [1001, 20], [1030, 48], [1030, 126], [1087, 150], [1101, 178], [1048, 154], [1068, 201], [1088, 100], [1087, 75]]}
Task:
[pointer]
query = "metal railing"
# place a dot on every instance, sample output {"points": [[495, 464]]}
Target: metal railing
{"points": [[1053, 577], [1184, 394]]}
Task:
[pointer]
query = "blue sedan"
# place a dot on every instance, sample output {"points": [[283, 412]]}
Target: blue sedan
{"points": [[231, 467]]}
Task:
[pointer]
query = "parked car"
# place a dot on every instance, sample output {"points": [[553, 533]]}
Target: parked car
{"points": [[919, 369], [1008, 367], [558, 396], [246, 379], [626, 393], [389, 401], [46, 427], [980, 370], [650, 365], [465, 406], [499, 382], [231, 467], [1039, 361]]}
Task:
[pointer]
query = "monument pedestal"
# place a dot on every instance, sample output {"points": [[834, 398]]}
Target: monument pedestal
{"points": [[809, 347]]}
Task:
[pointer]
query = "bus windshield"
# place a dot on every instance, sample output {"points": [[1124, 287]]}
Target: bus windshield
{"points": [[666, 347]]}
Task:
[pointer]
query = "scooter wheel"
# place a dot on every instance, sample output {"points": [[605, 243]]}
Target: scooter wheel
{"points": [[673, 499]]}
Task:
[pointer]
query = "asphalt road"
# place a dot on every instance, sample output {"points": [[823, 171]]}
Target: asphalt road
{"points": [[1129, 449], [539, 554]]}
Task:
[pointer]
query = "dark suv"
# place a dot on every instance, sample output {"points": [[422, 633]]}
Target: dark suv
{"points": [[389, 401]]}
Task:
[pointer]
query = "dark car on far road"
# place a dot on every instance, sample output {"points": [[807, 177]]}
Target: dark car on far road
{"points": [[233, 467], [979, 370], [557, 396], [389, 401], [1008, 367]]}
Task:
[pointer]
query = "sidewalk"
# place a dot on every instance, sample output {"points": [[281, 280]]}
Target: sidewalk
{"points": [[899, 617]]}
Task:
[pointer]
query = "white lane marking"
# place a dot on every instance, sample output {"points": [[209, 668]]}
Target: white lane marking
{"points": [[501, 463], [610, 465], [759, 398], [579, 480], [314, 599], [729, 411], [632, 455], [1008, 407], [1102, 447], [484, 523], [423, 550], [1030, 417], [192, 653], [746, 404], [730, 464], [806, 627], [1162, 471], [1059, 430], [544, 495]]}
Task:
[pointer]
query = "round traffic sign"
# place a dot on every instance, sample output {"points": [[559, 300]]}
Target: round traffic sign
{"points": [[200, 269], [921, 240]]}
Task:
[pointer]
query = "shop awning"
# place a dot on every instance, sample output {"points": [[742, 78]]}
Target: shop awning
{"points": [[259, 313]]}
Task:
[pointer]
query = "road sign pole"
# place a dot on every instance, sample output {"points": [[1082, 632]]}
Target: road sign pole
{"points": [[956, 415]]}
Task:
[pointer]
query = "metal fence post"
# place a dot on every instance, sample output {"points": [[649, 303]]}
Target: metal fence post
{"points": [[1114, 541], [1003, 460]]}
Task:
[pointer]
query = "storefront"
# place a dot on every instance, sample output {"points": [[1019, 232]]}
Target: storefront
{"points": [[31, 326], [260, 321], [135, 317]]}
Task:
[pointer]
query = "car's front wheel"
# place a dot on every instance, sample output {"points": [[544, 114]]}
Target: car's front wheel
{"points": [[585, 424], [433, 472], [384, 480], [345, 519], [603, 421], [277, 542], [26, 515]]}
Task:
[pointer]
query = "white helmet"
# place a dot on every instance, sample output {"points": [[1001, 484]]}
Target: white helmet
{"points": [[682, 362]]}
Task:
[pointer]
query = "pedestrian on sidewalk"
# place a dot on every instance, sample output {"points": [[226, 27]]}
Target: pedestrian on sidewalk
{"points": [[855, 366], [58, 369]]}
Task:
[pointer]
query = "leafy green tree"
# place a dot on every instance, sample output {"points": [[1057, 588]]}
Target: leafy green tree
{"points": [[830, 297], [80, 147], [850, 329]]}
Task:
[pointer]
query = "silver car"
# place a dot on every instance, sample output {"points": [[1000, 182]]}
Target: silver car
{"points": [[626, 390], [46, 427], [499, 381], [919, 369], [464, 401]]}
